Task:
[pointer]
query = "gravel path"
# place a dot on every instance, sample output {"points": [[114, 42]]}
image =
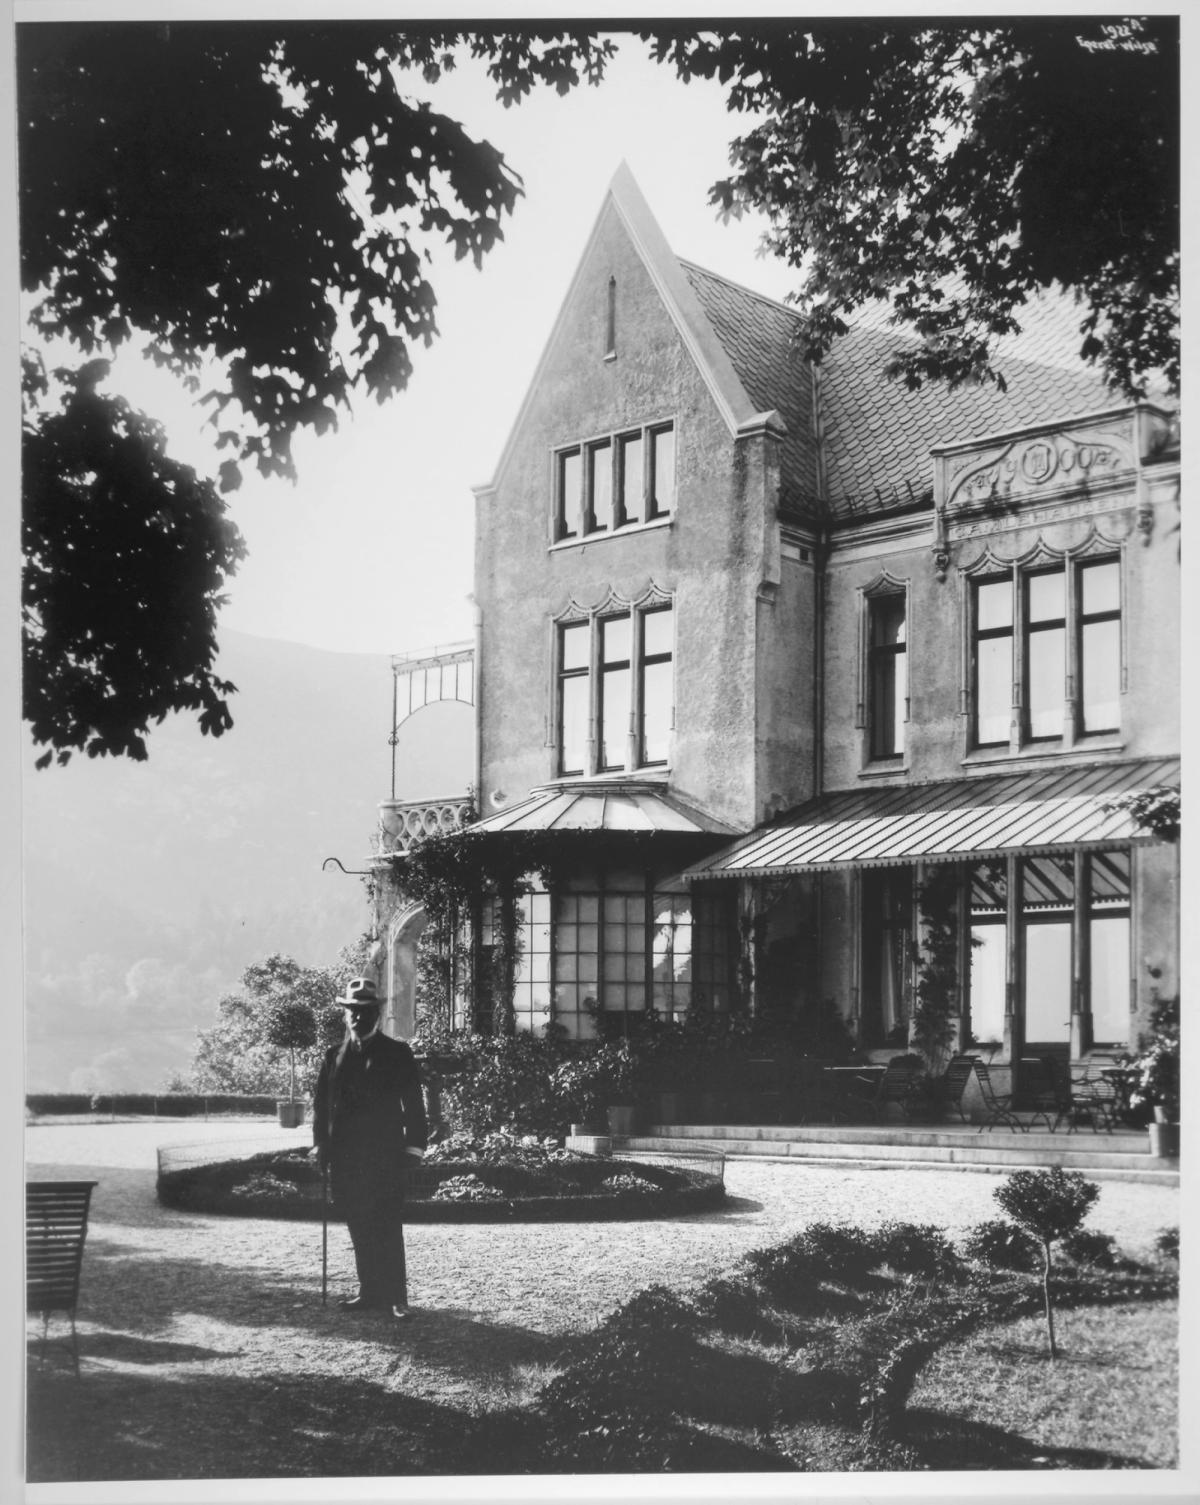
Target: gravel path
{"points": [[207, 1352]]}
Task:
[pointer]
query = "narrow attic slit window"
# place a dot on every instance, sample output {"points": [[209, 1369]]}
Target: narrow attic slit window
{"points": [[610, 322]]}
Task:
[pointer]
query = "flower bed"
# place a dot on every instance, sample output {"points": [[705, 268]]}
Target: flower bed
{"points": [[461, 1181]]}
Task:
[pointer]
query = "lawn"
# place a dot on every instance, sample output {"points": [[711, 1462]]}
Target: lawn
{"points": [[842, 1350], [1110, 1400]]}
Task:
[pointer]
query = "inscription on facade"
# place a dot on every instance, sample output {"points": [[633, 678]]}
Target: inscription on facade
{"points": [[1027, 466], [1063, 512]]}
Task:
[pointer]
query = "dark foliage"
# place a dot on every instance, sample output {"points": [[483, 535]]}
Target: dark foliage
{"points": [[127, 553], [828, 1386], [1000, 1245], [158, 1104], [258, 196], [953, 168]]}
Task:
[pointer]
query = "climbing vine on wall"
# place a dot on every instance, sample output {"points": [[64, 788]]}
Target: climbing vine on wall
{"points": [[936, 994]]}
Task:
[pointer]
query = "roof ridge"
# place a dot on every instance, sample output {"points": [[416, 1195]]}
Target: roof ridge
{"points": [[750, 292]]}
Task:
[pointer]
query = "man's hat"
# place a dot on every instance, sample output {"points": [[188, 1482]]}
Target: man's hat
{"points": [[360, 994]]}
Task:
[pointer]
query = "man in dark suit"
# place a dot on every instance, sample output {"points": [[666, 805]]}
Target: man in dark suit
{"points": [[369, 1127]]}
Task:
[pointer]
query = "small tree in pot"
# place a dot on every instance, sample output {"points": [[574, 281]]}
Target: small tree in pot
{"points": [[291, 1026]]}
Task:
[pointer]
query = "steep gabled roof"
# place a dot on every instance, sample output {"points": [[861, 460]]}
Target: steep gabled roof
{"points": [[759, 337], [854, 443], [708, 351], [861, 445]]}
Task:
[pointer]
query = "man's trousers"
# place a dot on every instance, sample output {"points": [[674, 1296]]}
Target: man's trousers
{"points": [[375, 1221]]}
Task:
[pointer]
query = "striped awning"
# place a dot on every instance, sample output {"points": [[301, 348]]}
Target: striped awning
{"points": [[626, 806], [960, 819]]}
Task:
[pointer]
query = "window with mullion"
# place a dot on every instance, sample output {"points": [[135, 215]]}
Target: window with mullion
{"points": [[604, 484], [1100, 646], [993, 660], [661, 491], [574, 696], [616, 634], [631, 479], [599, 511], [656, 689], [887, 673], [569, 521], [1045, 657]]}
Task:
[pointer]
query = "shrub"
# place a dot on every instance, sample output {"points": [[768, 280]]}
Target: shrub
{"points": [[624, 1181], [262, 1184], [1087, 1247], [1166, 1243], [1000, 1245], [1050, 1205], [916, 1249], [467, 1188], [838, 1254]]}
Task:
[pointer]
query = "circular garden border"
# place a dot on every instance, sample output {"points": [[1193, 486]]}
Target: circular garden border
{"points": [[286, 1184]]}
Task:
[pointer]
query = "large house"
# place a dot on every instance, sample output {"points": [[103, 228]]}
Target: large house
{"points": [[806, 670]]}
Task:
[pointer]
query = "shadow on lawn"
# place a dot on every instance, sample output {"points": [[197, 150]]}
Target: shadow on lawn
{"points": [[111, 1425], [953, 1443]]}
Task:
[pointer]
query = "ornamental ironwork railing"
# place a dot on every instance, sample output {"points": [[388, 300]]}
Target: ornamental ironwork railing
{"points": [[403, 822]]}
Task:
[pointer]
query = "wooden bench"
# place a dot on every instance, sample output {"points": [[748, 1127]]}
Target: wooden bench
{"points": [[56, 1217]]}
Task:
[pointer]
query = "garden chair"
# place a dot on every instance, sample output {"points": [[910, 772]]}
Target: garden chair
{"points": [[1093, 1096], [56, 1217], [953, 1084], [998, 1108], [811, 1099], [1044, 1091], [896, 1084]]}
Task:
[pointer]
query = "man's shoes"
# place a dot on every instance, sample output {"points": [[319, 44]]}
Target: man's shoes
{"points": [[399, 1313], [357, 1304]]}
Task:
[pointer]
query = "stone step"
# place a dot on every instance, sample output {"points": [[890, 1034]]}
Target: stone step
{"points": [[1118, 1156], [969, 1136]]}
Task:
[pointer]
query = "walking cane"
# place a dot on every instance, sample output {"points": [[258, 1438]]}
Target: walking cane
{"points": [[324, 1234]]}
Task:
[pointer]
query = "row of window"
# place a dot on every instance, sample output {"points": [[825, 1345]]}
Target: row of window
{"points": [[1044, 665], [614, 481], [1053, 935], [596, 955], [615, 690]]}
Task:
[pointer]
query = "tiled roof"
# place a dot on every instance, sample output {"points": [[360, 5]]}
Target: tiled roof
{"points": [[757, 334], [877, 434]]}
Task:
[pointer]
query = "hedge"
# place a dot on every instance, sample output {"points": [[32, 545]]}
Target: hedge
{"points": [[160, 1104]]}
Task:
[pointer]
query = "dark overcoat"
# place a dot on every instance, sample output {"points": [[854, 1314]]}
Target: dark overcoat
{"points": [[368, 1108]]}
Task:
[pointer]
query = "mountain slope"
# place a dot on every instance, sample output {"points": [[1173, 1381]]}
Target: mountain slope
{"points": [[148, 888]]}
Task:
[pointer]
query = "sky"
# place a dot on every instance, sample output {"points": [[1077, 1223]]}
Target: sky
{"points": [[371, 550]]}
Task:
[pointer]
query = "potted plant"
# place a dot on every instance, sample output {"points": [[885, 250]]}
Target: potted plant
{"points": [[618, 1061], [1156, 1079], [290, 1026]]}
